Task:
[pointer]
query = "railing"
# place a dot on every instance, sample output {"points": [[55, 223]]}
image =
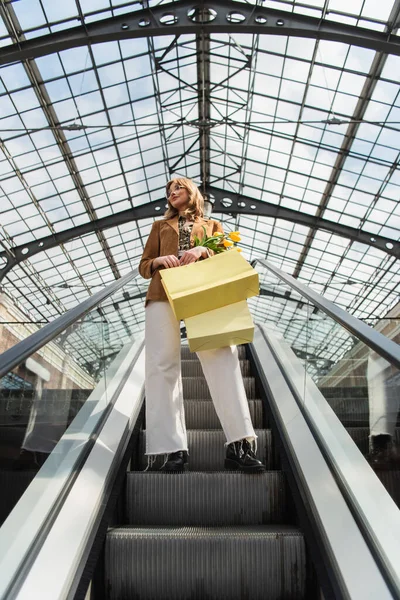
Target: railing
{"points": [[14, 356], [361, 371], [375, 340], [70, 438]]}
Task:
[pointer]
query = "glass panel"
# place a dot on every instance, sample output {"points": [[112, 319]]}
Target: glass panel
{"points": [[40, 398], [362, 388]]}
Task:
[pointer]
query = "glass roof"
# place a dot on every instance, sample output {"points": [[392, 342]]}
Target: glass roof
{"points": [[136, 109]]}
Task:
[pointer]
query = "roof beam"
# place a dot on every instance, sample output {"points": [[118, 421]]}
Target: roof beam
{"points": [[25, 251], [203, 94], [182, 17], [223, 202], [231, 203]]}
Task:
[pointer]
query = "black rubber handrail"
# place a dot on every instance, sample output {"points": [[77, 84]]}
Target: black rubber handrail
{"points": [[14, 356], [372, 338]]}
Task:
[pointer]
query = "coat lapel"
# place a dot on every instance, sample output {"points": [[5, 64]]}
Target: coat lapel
{"points": [[173, 223], [197, 228]]}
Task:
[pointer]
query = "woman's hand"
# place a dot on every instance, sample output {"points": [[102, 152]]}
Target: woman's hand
{"points": [[168, 262], [192, 255]]}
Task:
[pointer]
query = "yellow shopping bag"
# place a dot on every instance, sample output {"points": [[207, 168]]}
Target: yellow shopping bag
{"points": [[223, 279], [227, 326]]}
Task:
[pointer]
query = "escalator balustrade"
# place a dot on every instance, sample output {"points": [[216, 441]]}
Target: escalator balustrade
{"points": [[52, 415], [352, 404]]}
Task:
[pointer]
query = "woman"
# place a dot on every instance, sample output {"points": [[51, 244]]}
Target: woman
{"points": [[169, 246]]}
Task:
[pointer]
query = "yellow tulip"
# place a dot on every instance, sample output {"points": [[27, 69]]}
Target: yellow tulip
{"points": [[228, 244], [235, 236], [218, 233], [239, 249]]}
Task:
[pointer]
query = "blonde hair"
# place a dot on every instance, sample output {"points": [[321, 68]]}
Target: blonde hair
{"points": [[195, 209]]}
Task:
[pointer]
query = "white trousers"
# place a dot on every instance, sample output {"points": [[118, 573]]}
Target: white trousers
{"points": [[384, 396], [165, 418]]}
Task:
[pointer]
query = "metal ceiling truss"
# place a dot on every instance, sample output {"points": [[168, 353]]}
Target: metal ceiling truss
{"points": [[185, 17], [223, 202], [232, 203], [251, 64], [204, 104], [39, 88], [157, 64], [366, 93]]}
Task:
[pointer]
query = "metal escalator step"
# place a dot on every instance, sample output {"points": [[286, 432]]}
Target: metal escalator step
{"points": [[352, 412], [200, 414], [199, 499], [207, 450], [390, 475], [187, 355], [197, 563], [351, 405], [360, 436], [17, 410], [355, 413], [13, 484], [345, 392], [192, 368], [391, 480], [196, 388]]}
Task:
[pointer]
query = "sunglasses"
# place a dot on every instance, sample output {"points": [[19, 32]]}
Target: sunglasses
{"points": [[170, 191]]}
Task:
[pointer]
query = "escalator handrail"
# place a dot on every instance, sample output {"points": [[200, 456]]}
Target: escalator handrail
{"points": [[372, 338], [44, 498], [345, 535], [14, 356]]}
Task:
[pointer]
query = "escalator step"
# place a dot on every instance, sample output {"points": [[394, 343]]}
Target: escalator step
{"points": [[351, 405], [346, 392], [352, 412], [199, 499], [200, 414], [207, 450], [215, 563], [390, 475], [391, 480], [187, 355], [192, 368], [196, 388], [15, 410], [13, 484], [360, 435], [58, 395]]}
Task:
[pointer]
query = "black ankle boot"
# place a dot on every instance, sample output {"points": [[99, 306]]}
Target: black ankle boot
{"points": [[176, 462], [240, 455], [383, 454]]}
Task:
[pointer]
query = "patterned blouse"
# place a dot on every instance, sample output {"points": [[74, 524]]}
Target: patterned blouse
{"points": [[185, 230]]}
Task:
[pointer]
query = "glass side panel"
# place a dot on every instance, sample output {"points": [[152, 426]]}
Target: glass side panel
{"points": [[40, 398], [362, 388]]}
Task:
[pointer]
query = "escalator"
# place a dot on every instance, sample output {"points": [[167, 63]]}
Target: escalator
{"points": [[83, 518], [208, 533]]}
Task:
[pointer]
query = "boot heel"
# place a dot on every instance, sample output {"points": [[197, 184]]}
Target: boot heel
{"points": [[231, 465], [241, 456]]}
